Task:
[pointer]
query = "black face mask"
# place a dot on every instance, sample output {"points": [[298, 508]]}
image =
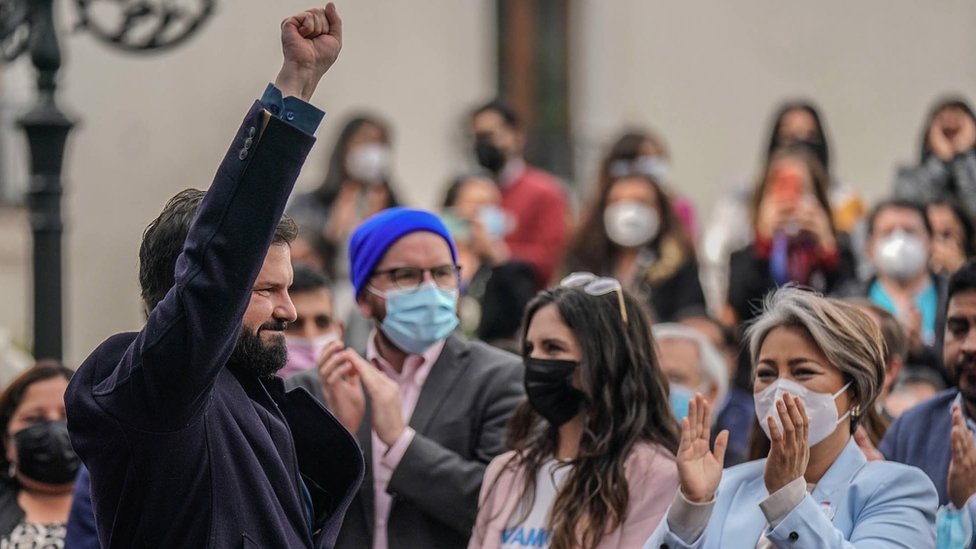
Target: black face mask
{"points": [[550, 390], [489, 156], [44, 453]]}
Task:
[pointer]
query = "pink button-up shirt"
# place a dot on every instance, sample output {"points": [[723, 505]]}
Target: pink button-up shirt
{"points": [[385, 459]]}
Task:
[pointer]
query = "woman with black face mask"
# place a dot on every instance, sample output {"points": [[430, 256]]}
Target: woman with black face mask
{"points": [[593, 446], [38, 466]]}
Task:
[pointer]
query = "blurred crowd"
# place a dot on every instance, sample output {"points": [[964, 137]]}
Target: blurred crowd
{"points": [[520, 374]]}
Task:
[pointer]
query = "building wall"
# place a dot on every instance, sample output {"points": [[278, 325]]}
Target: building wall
{"points": [[153, 125], [706, 77]]}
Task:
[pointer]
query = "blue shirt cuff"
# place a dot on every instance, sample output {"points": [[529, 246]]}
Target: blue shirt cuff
{"points": [[292, 110]]}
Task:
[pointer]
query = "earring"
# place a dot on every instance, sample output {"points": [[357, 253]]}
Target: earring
{"points": [[12, 470], [856, 410]]}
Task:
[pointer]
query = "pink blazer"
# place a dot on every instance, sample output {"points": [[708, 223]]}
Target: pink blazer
{"points": [[652, 479]]}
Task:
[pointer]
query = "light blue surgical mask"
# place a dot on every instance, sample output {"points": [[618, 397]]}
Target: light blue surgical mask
{"points": [[417, 319], [494, 221], [680, 397]]}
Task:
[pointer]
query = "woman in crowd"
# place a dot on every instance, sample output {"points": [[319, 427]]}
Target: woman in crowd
{"points": [[593, 459], [952, 236], [632, 233], [796, 123], [38, 461], [356, 185], [795, 239], [818, 366], [494, 288], [947, 164]]}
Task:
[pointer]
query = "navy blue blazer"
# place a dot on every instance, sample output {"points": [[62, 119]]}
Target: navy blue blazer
{"points": [[183, 451], [920, 437]]}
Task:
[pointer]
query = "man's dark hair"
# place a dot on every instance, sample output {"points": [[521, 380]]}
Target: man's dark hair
{"points": [[309, 279], [898, 204], [962, 280], [505, 110], [163, 240]]}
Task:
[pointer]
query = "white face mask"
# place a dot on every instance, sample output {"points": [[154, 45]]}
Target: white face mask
{"points": [[631, 223], [900, 255], [820, 408], [369, 163]]}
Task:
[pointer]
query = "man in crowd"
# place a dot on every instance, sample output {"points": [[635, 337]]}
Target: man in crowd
{"points": [[899, 244], [429, 408], [936, 435], [534, 200], [315, 325], [190, 439]]}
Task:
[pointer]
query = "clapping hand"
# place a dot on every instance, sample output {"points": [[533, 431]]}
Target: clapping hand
{"points": [[962, 465], [700, 470], [341, 385], [310, 42], [385, 403], [789, 451]]}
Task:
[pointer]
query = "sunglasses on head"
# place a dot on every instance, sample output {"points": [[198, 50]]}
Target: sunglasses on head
{"points": [[596, 286]]}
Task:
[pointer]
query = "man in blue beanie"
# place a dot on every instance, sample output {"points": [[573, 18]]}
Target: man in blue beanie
{"points": [[428, 407]]}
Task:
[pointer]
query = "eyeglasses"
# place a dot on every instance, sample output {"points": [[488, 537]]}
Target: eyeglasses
{"points": [[447, 276], [596, 286]]}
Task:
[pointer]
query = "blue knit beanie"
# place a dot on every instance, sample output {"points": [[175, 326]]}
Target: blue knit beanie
{"points": [[373, 237]]}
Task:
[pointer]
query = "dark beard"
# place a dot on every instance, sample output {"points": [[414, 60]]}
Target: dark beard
{"points": [[965, 366], [253, 356]]}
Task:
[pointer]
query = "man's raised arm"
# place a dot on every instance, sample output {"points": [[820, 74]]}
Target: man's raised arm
{"points": [[167, 372]]}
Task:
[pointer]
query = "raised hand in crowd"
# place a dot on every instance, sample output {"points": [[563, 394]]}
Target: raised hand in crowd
{"points": [[961, 482], [812, 218], [386, 410], [310, 43], [951, 133], [789, 450], [346, 377], [341, 385], [700, 469]]}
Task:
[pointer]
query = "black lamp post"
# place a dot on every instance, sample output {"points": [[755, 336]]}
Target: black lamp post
{"points": [[28, 26]]}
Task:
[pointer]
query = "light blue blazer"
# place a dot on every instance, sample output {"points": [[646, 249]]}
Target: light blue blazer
{"points": [[878, 504]]}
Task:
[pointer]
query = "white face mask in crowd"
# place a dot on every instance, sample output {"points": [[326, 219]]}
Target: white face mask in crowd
{"points": [[630, 223], [369, 163], [820, 408], [900, 255]]}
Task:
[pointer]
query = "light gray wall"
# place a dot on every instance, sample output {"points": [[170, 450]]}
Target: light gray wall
{"points": [[152, 125], [707, 76]]}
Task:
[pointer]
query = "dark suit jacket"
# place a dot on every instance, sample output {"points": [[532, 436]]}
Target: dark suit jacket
{"points": [[460, 421], [182, 451], [920, 437]]}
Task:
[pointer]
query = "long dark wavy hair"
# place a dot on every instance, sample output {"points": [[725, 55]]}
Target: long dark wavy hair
{"points": [[625, 403], [590, 248]]}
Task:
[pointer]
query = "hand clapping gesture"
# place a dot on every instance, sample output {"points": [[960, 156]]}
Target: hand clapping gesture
{"points": [[962, 465], [700, 470], [310, 42], [789, 451]]}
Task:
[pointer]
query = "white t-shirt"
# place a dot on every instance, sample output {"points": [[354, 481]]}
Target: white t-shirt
{"points": [[534, 530]]}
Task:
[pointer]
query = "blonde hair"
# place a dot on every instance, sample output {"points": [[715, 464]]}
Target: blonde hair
{"points": [[847, 336]]}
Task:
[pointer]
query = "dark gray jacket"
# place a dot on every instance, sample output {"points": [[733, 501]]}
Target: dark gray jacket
{"points": [[460, 420]]}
